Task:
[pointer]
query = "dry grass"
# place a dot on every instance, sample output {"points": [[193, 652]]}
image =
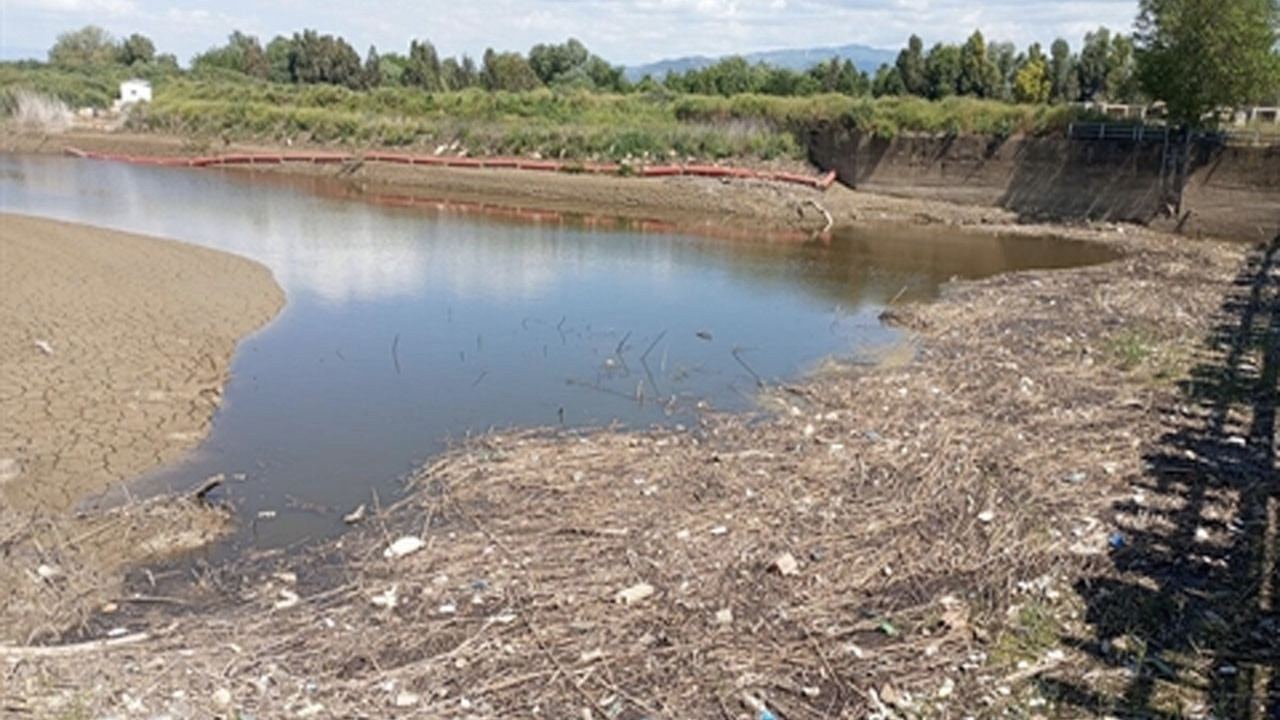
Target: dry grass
{"points": [[937, 510]]}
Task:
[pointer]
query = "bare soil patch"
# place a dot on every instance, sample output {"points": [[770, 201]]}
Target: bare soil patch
{"points": [[113, 352]]}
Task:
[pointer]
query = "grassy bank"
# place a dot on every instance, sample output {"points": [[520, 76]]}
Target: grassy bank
{"points": [[550, 123]]}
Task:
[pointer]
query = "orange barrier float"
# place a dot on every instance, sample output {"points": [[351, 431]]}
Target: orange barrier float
{"points": [[821, 182]]}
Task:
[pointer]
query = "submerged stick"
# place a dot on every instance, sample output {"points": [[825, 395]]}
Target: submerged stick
{"points": [[395, 352], [737, 356], [644, 362]]}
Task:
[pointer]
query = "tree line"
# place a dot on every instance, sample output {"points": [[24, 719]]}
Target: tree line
{"points": [[309, 57], [1196, 55]]}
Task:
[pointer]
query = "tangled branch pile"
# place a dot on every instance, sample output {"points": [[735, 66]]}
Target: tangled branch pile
{"points": [[855, 553]]}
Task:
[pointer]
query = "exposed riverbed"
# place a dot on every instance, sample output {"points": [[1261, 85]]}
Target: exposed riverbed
{"points": [[408, 327]]}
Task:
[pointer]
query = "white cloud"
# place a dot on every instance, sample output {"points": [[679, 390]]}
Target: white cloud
{"points": [[626, 31]]}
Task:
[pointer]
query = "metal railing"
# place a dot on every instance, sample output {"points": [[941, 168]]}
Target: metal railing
{"points": [[1141, 132]]}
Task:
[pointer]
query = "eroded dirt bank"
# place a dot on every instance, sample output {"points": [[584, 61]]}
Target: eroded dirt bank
{"points": [[740, 207], [1010, 520], [113, 352]]}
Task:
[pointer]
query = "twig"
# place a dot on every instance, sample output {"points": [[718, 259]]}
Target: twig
{"points": [[825, 214], [395, 352], [44, 651]]}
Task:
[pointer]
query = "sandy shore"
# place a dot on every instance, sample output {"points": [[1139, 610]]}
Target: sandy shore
{"points": [[113, 352]]}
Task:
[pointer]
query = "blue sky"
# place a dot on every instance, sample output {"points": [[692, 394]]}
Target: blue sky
{"points": [[623, 31]]}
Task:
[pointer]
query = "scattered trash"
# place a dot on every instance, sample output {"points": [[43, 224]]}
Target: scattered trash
{"points": [[1116, 541], [116, 632], [311, 709], [817, 554], [887, 628], [786, 565], [591, 655], [288, 578], [703, 335], [44, 347], [48, 572], [948, 687], [889, 694], [288, 599], [1202, 534], [387, 598], [221, 697], [719, 530], [354, 516], [9, 470], [448, 609], [634, 594], [1228, 670], [406, 699], [1237, 441], [1080, 476], [266, 514], [986, 516], [757, 706], [724, 617], [404, 546], [873, 436]]}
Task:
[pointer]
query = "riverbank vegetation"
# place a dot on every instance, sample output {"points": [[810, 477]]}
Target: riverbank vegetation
{"points": [[562, 100]]}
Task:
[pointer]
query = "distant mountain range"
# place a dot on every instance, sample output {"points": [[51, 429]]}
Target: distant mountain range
{"points": [[863, 57]]}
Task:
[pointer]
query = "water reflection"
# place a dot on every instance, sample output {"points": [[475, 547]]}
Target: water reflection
{"points": [[406, 326]]}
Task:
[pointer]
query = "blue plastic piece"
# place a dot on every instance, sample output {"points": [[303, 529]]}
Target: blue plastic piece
{"points": [[1117, 541]]}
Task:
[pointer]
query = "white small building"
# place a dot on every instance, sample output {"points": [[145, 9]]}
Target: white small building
{"points": [[133, 91]]}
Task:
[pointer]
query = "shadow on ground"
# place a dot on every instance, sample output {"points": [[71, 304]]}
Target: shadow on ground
{"points": [[1185, 621]]}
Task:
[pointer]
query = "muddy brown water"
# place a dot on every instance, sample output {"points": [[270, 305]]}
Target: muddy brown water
{"points": [[407, 327]]}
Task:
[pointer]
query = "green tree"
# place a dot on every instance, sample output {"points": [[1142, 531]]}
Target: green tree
{"points": [[137, 49], [371, 73], [1092, 67], [90, 45], [1199, 55], [507, 71], [942, 66], [978, 75], [1031, 84], [242, 54], [1062, 73], [549, 62], [1004, 55], [391, 66], [316, 58], [1122, 78], [278, 52], [887, 82], [911, 67], [423, 68]]}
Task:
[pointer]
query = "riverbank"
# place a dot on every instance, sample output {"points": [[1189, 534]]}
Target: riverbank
{"points": [[732, 206], [927, 536], [113, 353]]}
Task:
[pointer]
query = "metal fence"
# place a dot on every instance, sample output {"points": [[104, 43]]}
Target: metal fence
{"points": [[1141, 132]]}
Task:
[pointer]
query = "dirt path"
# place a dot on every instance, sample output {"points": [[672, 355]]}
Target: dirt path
{"points": [[113, 352]]}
